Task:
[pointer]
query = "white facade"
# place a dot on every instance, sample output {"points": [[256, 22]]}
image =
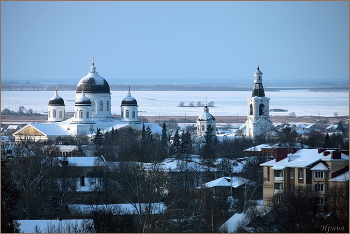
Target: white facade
{"points": [[56, 109], [92, 110], [203, 122], [258, 121], [82, 110], [129, 109]]}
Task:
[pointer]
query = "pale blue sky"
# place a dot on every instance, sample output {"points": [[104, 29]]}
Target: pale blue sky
{"points": [[169, 42]]}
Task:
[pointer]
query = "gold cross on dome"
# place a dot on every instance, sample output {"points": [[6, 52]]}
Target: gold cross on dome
{"points": [[93, 60]]}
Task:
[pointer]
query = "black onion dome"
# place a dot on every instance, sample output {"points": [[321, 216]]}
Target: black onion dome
{"points": [[83, 100], [129, 100], [93, 83], [56, 100], [258, 90]]}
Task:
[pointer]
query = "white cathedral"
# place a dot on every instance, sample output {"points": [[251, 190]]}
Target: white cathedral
{"points": [[92, 110]]}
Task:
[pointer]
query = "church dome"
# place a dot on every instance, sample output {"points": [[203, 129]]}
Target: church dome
{"points": [[93, 83], [56, 100], [206, 115], [129, 100], [83, 100], [258, 71]]}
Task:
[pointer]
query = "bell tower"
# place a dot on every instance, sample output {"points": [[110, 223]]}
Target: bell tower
{"points": [[258, 121]]}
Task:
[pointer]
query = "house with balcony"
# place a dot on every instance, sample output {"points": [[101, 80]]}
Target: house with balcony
{"points": [[313, 170]]}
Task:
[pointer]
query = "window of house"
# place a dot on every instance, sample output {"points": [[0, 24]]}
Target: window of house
{"points": [[318, 174], [319, 187], [278, 173], [300, 175], [127, 114], [101, 105], [278, 198], [292, 187], [320, 200], [291, 174], [268, 173], [107, 105], [54, 113]]}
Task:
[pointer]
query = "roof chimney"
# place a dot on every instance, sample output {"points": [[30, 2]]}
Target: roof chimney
{"points": [[281, 153], [294, 150], [320, 150], [336, 154], [325, 153]]}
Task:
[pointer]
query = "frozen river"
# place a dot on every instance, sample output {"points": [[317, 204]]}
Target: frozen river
{"points": [[166, 103]]}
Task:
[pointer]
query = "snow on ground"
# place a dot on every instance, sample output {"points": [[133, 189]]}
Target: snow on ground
{"points": [[54, 226], [119, 209], [194, 163]]}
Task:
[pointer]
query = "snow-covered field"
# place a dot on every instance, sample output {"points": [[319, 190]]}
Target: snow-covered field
{"points": [[166, 103]]}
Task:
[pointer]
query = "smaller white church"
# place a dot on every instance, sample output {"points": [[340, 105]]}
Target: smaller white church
{"points": [[204, 120], [258, 121], [92, 110]]}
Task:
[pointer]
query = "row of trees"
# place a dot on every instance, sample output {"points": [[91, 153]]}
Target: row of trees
{"points": [[199, 103], [21, 111]]}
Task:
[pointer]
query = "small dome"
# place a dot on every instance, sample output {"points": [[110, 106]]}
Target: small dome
{"points": [[129, 100], [206, 115], [83, 100], [258, 71], [93, 83], [56, 100]]}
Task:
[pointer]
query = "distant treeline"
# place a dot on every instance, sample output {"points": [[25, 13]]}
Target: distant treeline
{"points": [[158, 87]]}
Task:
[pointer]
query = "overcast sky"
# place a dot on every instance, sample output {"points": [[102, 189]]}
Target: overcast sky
{"points": [[169, 42]]}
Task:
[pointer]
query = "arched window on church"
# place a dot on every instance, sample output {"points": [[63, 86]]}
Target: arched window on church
{"points": [[101, 105], [87, 114], [133, 114], [80, 114], [107, 105], [127, 114], [251, 109], [54, 113], [60, 116], [49, 112], [261, 109]]}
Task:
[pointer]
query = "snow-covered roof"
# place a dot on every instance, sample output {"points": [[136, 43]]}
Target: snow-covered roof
{"points": [[303, 158], [12, 126], [55, 226], [258, 147], [319, 167], [235, 182], [50, 129], [341, 178], [232, 223], [84, 161], [120, 209]]}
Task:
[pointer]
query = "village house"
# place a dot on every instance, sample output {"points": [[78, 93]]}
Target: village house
{"points": [[315, 170]]}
